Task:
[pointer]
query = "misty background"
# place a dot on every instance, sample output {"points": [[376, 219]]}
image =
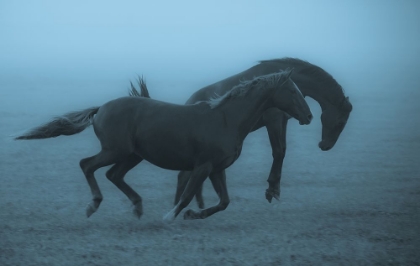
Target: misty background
{"points": [[357, 203], [59, 57], [181, 46]]}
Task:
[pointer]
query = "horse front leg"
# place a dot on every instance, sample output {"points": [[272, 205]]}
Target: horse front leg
{"points": [[199, 197], [183, 178], [198, 175], [218, 181], [276, 124]]}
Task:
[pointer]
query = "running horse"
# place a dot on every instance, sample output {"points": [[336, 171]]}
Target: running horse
{"points": [[203, 138], [314, 82]]}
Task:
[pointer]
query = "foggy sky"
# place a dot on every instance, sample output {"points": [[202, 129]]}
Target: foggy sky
{"points": [[93, 48], [201, 43]]}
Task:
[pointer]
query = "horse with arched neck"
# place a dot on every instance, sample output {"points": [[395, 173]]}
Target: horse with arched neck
{"points": [[314, 82]]}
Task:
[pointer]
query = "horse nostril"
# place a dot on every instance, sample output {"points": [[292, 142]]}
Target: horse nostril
{"points": [[310, 117]]}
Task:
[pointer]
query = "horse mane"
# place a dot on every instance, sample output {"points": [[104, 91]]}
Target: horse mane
{"points": [[244, 86], [312, 71]]}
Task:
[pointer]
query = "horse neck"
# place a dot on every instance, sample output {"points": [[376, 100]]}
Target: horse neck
{"points": [[243, 112], [325, 95]]}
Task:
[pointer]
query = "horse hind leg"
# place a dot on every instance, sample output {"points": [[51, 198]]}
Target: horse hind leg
{"points": [[89, 166], [116, 175], [183, 177]]}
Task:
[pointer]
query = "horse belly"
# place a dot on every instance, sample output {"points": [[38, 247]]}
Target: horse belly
{"points": [[170, 163], [165, 155]]}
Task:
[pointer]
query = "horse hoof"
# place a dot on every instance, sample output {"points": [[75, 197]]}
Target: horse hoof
{"points": [[191, 215], [90, 209], [138, 210], [270, 194]]}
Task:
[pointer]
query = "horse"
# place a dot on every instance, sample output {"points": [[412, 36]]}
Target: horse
{"points": [[313, 81], [204, 138]]}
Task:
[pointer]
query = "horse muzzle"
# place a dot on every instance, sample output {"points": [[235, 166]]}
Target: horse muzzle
{"points": [[324, 146], [306, 120]]}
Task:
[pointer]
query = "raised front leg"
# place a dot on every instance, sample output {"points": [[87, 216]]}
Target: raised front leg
{"points": [[219, 184], [198, 175], [276, 124]]}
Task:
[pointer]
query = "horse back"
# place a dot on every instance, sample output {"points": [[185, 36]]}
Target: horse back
{"points": [[132, 123], [221, 87]]}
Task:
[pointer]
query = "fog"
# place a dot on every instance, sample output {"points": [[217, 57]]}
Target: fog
{"points": [[186, 44], [357, 204], [58, 57]]}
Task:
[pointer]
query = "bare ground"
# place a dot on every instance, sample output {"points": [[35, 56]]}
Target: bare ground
{"points": [[357, 204]]}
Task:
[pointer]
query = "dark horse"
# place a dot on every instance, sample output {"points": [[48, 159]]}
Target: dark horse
{"points": [[314, 82], [204, 138]]}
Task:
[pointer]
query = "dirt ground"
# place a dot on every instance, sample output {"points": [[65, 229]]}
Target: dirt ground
{"points": [[357, 204]]}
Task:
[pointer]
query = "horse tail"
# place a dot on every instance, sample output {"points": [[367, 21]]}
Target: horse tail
{"points": [[68, 124], [144, 92]]}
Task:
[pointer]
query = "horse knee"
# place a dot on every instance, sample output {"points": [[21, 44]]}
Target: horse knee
{"points": [[279, 153], [224, 204]]}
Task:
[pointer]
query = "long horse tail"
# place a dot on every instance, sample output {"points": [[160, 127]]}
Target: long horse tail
{"points": [[68, 124], [144, 92]]}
